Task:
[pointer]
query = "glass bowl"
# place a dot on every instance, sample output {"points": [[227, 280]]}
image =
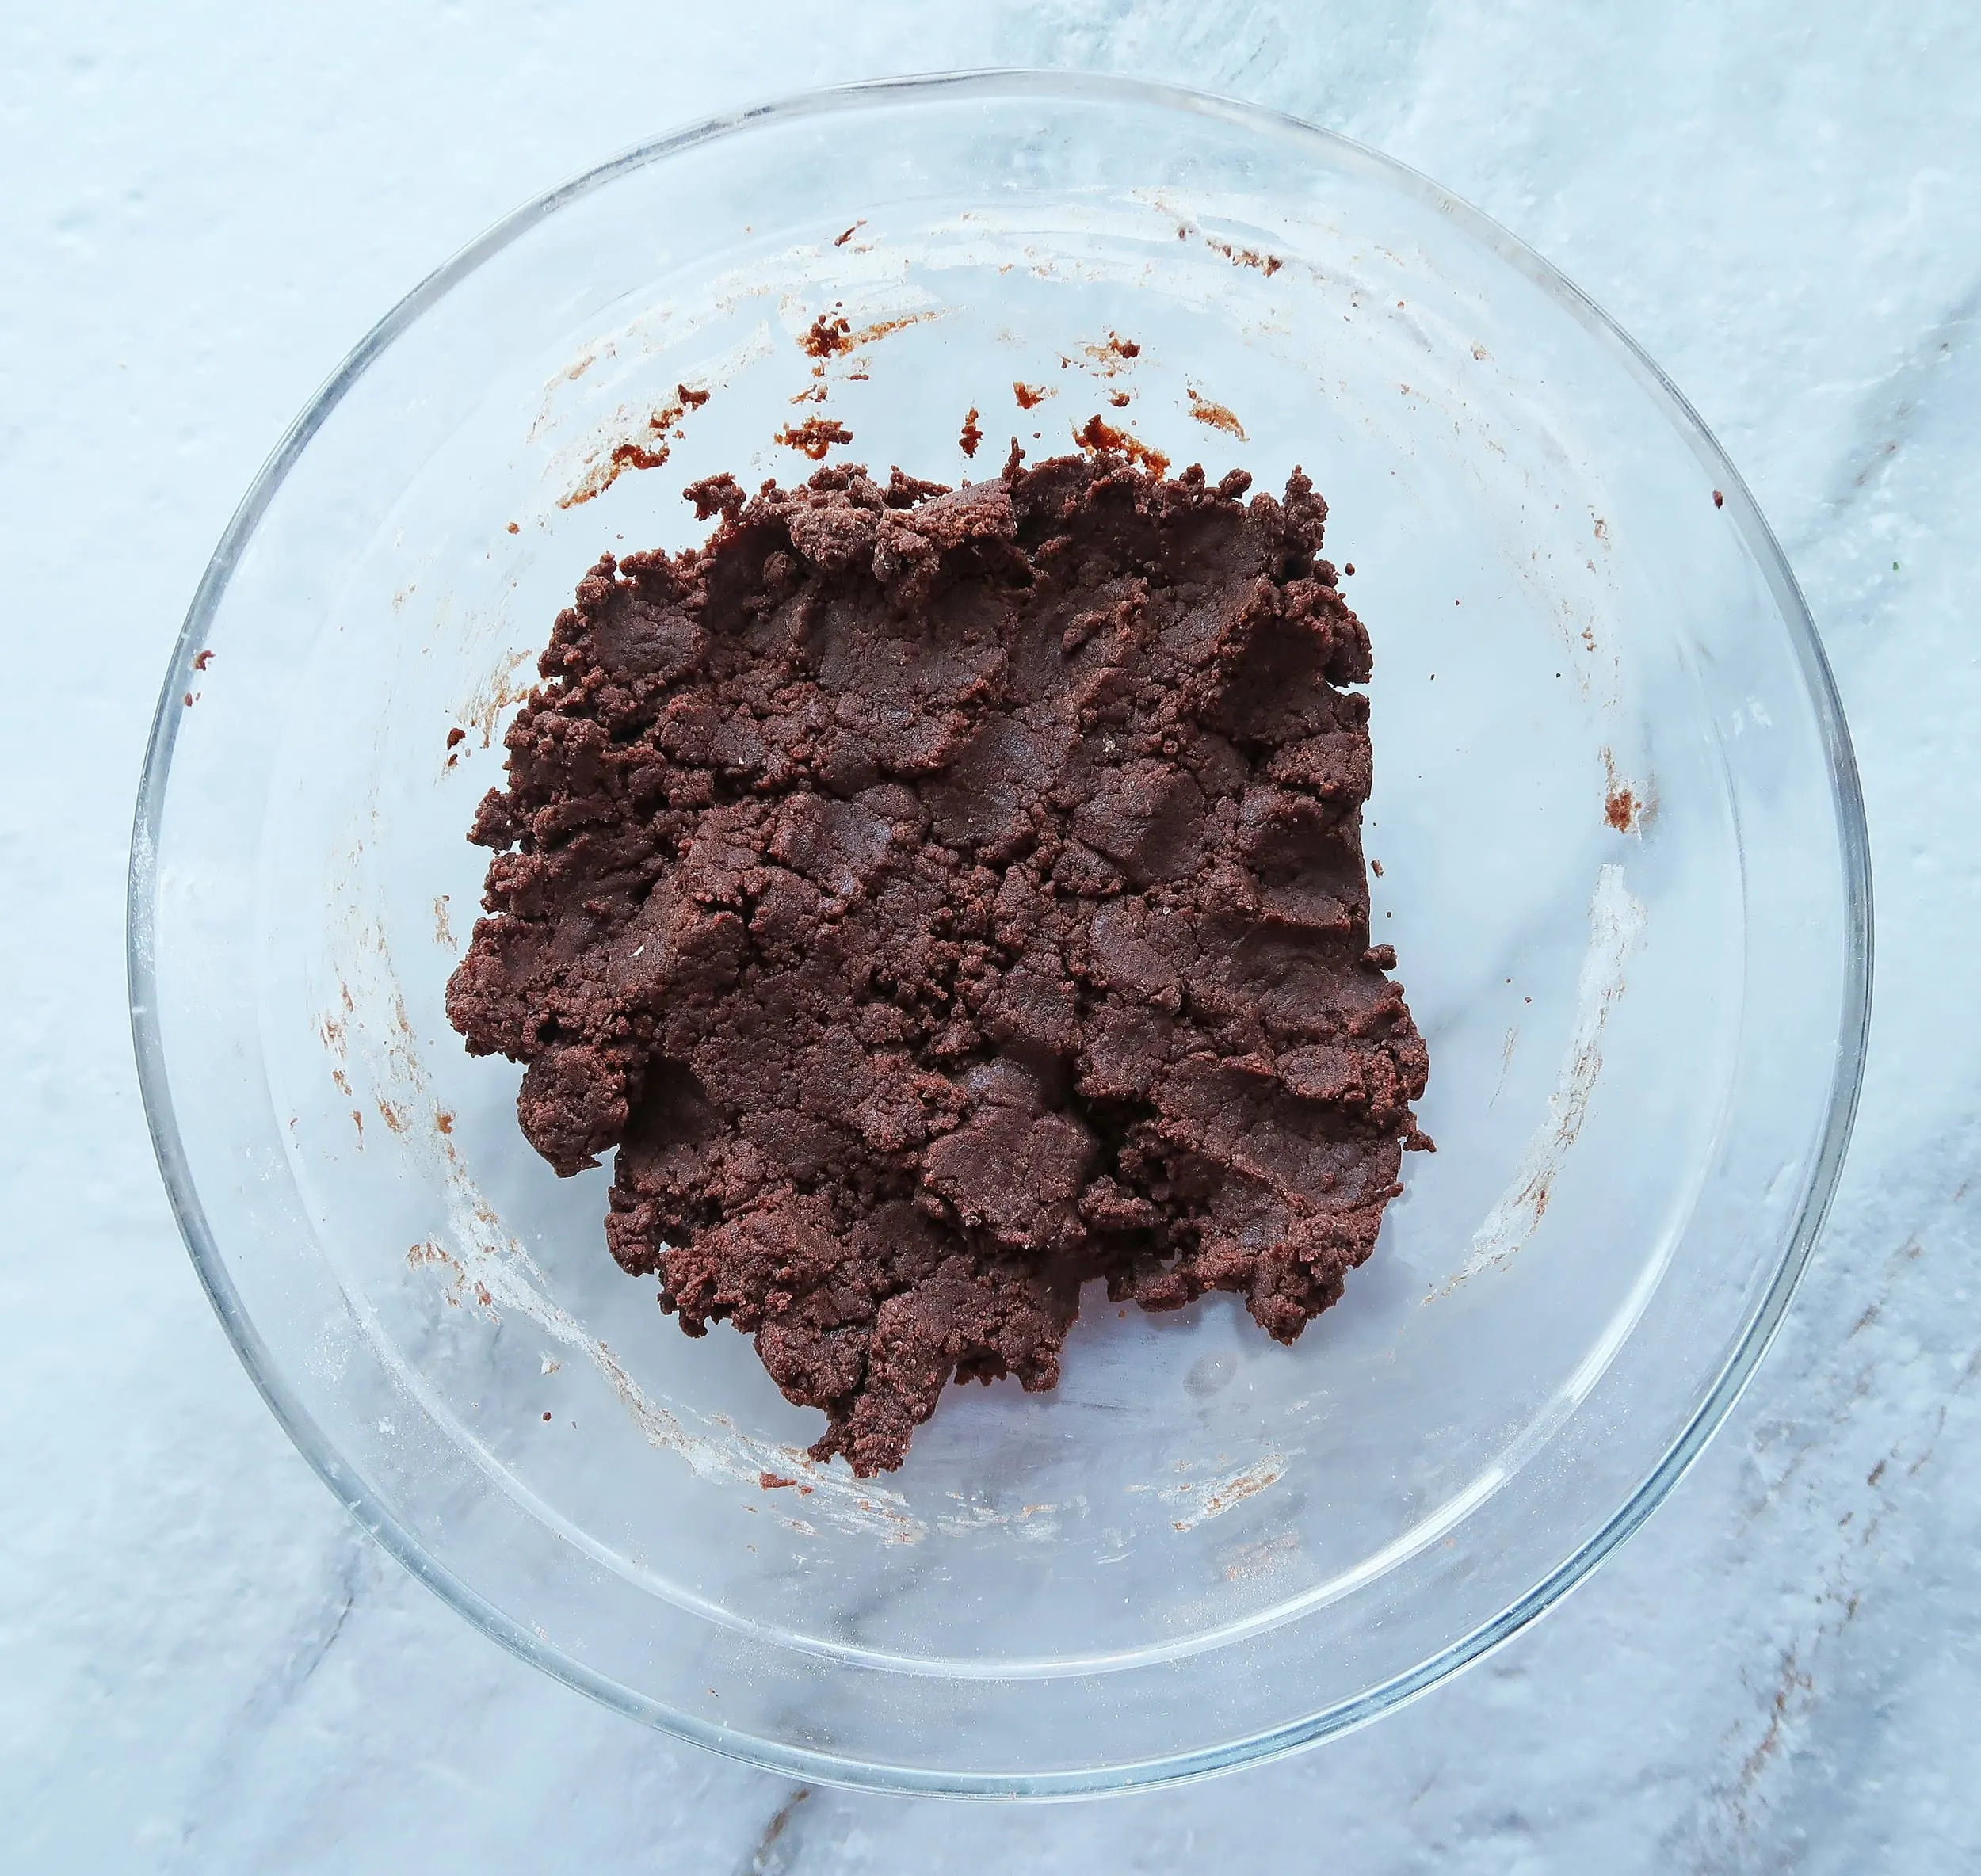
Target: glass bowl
{"points": [[1624, 865]]}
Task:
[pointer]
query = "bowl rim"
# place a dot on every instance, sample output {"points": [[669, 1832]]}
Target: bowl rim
{"points": [[805, 1763]]}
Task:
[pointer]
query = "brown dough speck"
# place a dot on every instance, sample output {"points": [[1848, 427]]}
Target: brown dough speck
{"points": [[880, 328], [1098, 434], [1112, 355], [513, 528], [1120, 399], [1269, 265], [1030, 396], [772, 1481], [456, 737], [1622, 808], [972, 433], [827, 337], [629, 455], [941, 898], [1216, 416], [841, 240], [1719, 500], [201, 660], [814, 436]]}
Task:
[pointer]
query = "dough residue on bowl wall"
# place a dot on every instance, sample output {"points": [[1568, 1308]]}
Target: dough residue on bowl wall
{"points": [[1616, 921]]}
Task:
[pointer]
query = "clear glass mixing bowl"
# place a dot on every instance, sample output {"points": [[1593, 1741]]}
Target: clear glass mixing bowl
{"points": [[1624, 867]]}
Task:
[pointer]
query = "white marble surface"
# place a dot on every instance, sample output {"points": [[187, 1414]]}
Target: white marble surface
{"points": [[203, 1666]]}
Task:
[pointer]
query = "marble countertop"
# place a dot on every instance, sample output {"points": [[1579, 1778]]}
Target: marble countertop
{"points": [[204, 1666]]}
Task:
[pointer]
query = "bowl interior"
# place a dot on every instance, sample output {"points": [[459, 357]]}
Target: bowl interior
{"points": [[1606, 809]]}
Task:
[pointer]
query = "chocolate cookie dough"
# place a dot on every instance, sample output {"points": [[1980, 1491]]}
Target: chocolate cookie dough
{"points": [[941, 898]]}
